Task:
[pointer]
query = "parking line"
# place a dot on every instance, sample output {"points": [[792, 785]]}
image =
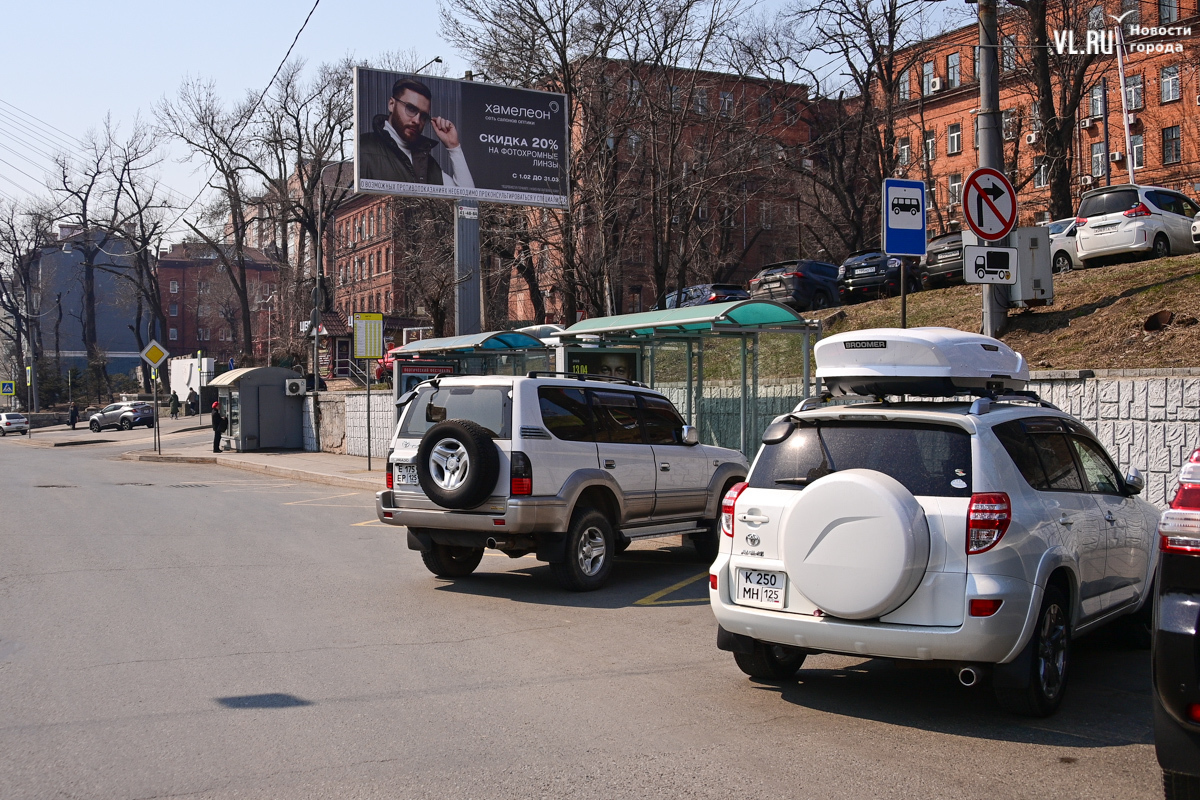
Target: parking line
{"points": [[316, 501], [653, 599]]}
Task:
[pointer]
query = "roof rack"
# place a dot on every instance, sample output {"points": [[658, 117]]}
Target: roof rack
{"points": [[984, 404], [584, 376]]}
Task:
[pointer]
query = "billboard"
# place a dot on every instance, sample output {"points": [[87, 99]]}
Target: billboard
{"points": [[434, 137], [609, 361]]}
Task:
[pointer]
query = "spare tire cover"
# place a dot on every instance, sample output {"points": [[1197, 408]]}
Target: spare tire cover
{"points": [[857, 545]]}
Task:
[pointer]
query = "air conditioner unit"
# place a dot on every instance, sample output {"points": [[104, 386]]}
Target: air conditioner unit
{"points": [[1116, 156], [1132, 119], [1198, 99], [293, 387], [1086, 123], [806, 164], [935, 84], [1085, 180], [1032, 138]]}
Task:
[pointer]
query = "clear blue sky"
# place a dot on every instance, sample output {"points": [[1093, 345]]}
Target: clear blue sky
{"points": [[70, 63]]}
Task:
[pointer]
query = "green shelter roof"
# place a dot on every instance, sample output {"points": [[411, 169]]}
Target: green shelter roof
{"points": [[728, 316], [473, 342]]}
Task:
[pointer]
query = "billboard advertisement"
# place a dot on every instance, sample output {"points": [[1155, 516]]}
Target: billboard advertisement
{"points": [[420, 136], [607, 361]]}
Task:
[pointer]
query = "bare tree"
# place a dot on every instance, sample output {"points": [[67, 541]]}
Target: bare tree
{"points": [[24, 230]]}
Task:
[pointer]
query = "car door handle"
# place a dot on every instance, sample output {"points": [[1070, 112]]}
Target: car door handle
{"points": [[1108, 515], [753, 518], [609, 463], [1065, 520], [664, 466]]}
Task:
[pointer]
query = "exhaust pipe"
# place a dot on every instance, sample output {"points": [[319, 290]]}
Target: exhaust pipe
{"points": [[499, 544], [968, 676]]}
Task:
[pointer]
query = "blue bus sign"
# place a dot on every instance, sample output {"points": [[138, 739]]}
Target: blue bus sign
{"points": [[903, 217]]}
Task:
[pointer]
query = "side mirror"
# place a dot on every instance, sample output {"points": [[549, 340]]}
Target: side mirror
{"points": [[1134, 481], [690, 435]]}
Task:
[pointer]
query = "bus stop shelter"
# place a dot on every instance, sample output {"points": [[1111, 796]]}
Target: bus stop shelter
{"points": [[729, 367]]}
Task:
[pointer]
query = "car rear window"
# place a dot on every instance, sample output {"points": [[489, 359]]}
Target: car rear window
{"points": [[489, 406], [1108, 203], [15, 417], [927, 459]]}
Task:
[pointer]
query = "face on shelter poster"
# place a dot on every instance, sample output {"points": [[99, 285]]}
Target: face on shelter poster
{"points": [[420, 136], [610, 363]]}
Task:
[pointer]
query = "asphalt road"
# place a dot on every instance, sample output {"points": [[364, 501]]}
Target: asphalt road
{"points": [[195, 631]]}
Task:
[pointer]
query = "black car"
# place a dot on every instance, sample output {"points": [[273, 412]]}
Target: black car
{"points": [[868, 274], [943, 262], [1176, 665], [702, 294], [803, 284]]}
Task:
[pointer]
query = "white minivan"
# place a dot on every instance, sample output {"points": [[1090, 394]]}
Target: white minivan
{"points": [[1134, 219]]}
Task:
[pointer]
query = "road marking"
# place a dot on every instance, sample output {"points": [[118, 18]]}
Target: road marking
{"points": [[314, 501], [371, 523], [653, 599]]}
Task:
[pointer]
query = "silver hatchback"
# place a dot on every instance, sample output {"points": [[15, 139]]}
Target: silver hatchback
{"points": [[125, 416], [11, 422]]}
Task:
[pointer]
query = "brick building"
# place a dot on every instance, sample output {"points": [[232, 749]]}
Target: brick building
{"points": [[202, 310], [939, 97]]}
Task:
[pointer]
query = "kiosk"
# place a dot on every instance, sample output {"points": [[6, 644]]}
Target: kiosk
{"points": [[264, 406]]}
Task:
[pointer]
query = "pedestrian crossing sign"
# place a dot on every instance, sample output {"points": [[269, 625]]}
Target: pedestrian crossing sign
{"points": [[8, 388]]}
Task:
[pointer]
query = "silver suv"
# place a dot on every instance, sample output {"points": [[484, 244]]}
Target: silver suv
{"points": [[125, 416], [571, 468], [983, 535]]}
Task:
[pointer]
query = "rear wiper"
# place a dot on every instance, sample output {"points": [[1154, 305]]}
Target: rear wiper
{"points": [[795, 481]]}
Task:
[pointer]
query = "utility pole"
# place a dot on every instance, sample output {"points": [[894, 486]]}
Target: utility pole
{"points": [[991, 142]]}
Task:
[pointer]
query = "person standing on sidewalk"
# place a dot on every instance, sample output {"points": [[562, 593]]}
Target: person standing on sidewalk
{"points": [[73, 415], [193, 403], [174, 405], [219, 425]]}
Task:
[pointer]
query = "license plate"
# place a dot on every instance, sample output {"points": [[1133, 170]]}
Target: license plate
{"points": [[406, 473], [1105, 228], [865, 271], [949, 255], [757, 587]]}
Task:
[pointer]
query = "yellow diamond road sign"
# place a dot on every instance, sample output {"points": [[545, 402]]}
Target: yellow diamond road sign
{"points": [[154, 354]]}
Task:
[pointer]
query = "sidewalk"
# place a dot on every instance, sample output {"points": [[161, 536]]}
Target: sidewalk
{"points": [[327, 468]]}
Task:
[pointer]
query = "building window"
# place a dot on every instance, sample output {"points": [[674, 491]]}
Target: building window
{"points": [[954, 139], [953, 71], [765, 217], [173, 334], [955, 188], [635, 93], [700, 101], [927, 78], [790, 115], [1168, 11], [1041, 173], [931, 192], [1134, 96], [1172, 152], [975, 62], [1096, 102], [173, 309], [676, 98], [1099, 158], [1131, 5], [202, 334], [1137, 150], [975, 122], [764, 108], [1008, 53], [903, 150], [1169, 78], [726, 104], [201, 287], [1035, 117], [174, 287], [1095, 18], [1008, 124], [930, 149], [904, 90]]}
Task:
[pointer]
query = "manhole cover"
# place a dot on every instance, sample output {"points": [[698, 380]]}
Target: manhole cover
{"points": [[188, 486], [55, 486]]}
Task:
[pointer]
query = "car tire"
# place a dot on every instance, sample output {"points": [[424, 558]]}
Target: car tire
{"points": [[820, 300], [1049, 658], [457, 464], [3, 432], [95, 426], [1061, 263], [450, 561], [150, 424], [126, 425], [1162, 247], [590, 549], [770, 662], [1178, 786]]}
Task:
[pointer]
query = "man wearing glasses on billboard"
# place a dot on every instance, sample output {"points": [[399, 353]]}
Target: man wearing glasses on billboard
{"points": [[395, 150]]}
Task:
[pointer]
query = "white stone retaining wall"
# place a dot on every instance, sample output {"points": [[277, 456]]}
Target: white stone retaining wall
{"points": [[383, 411]]}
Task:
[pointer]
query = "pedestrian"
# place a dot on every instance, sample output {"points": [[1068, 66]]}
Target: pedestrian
{"points": [[174, 405], [219, 425], [193, 402], [73, 415]]}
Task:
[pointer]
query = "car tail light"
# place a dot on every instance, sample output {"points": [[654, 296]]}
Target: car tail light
{"points": [[1080, 222], [1194, 712], [712, 581], [391, 479], [520, 473], [795, 274], [712, 297], [727, 504], [1179, 528], [988, 517], [985, 607], [1140, 210]]}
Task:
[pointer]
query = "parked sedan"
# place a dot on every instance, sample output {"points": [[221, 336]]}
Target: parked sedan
{"points": [[868, 274], [702, 294], [122, 415], [943, 262], [804, 284], [1063, 255], [1134, 220], [13, 423]]}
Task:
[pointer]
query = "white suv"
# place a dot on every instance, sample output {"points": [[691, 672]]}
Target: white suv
{"points": [[572, 468], [981, 534], [1134, 219]]}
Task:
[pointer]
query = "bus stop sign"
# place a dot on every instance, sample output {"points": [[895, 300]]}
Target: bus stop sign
{"points": [[903, 217]]}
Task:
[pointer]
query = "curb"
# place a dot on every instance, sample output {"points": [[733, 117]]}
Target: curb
{"points": [[33, 443], [265, 469]]}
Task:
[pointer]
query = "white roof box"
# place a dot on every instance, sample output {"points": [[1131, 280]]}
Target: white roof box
{"points": [[920, 361]]}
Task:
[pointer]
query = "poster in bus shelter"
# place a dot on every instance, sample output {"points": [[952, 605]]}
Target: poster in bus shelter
{"points": [[421, 136], [609, 362]]}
